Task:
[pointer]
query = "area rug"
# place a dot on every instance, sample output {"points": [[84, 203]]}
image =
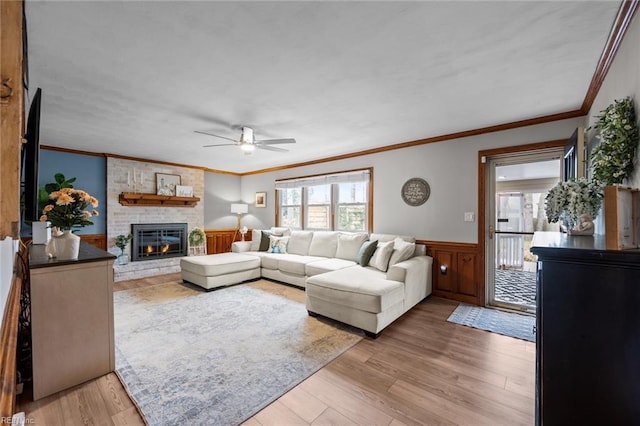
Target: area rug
{"points": [[187, 356], [496, 321]]}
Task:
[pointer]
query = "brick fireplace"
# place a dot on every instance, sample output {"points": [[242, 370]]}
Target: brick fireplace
{"points": [[121, 218]]}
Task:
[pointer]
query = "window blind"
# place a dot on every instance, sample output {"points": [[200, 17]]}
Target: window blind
{"points": [[345, 177]]}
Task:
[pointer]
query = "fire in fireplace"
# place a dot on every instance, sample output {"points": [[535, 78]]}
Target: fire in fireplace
{"points": [[158, 240]]}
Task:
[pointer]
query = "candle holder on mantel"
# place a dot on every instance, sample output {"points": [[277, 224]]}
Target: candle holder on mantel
{"points": [[135, 181]]}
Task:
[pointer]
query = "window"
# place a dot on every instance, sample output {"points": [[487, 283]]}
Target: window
{"points": [[318, 207], [339, 201], [290, 214], [351, 206]]}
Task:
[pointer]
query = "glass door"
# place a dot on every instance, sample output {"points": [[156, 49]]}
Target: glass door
{"points": [[518, 184]]}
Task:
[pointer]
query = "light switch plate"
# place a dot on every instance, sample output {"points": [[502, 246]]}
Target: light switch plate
{"points": [[469, 217]]}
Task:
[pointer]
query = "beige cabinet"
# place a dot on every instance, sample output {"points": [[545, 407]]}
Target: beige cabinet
{"points": [[71, 323]]}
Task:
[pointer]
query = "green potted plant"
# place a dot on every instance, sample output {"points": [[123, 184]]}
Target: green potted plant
{"points": [[612, 159], [568, 201], [121, 242]]}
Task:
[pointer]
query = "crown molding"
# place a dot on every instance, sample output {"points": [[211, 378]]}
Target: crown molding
{"points": [[627, 10]]}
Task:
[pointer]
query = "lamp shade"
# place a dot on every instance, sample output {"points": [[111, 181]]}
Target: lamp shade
{"points": [[239, 208]]}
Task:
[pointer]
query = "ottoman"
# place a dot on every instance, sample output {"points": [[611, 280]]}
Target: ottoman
{"points": [[217, 270]]}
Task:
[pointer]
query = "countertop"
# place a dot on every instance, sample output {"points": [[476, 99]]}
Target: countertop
{"points": [[38, 257], [591, 248]]}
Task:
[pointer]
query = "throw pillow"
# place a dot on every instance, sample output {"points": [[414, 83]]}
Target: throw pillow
{"points": [[324, 243], [264, 241], [280, 231], [278, 245], [365, 252], [349, 245], [402, 250], [256, 238], [380, 258], [299, 242]]}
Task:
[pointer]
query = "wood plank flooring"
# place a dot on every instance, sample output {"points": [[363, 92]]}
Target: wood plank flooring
{"points": [[421, 370]]}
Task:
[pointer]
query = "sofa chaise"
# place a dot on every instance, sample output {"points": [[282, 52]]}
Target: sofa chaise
{"points": [[366, 281]]}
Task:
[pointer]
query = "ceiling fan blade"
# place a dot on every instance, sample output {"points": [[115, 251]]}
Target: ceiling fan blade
{"points": [[274, 141], [217, 136], [222, 144], [271, 148]]}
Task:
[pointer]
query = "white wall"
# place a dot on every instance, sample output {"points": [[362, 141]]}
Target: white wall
{"points": [[450, 167], [622, 80], [220, 191], [8, 248]]}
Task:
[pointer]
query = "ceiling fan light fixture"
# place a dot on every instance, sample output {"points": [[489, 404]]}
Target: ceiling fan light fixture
{"points": [[247, 148], [246, 136], [247, 142]]}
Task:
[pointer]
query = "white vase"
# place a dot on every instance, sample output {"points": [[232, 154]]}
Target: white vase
{"points": [[67, 246]]}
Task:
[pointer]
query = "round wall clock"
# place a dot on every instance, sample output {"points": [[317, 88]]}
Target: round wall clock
{"points": [[415, 192]]}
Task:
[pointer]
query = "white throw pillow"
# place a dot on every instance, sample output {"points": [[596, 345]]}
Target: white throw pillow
{"points": [[280, 231], [324, 243], [349, 245], [278, 245], [299, 242], [402, 250], [380, 258], [256, 236]]}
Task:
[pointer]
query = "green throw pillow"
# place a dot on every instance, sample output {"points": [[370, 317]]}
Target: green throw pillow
{"points": [[264, 241], [366, 251]]}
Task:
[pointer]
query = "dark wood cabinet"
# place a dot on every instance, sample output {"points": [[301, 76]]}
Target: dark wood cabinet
{"points": [[220, 240], [455, 272], [588, 332]]}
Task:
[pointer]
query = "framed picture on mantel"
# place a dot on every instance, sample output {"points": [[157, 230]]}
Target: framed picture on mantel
{"points": [[184, 191], [166, 184]]}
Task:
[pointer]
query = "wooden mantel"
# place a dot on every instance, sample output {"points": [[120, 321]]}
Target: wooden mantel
{"points": [[139, 199]]}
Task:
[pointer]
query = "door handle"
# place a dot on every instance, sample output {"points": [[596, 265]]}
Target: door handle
{"points": [[492, 230]]}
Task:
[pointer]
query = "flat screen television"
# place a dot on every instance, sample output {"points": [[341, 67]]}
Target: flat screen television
{"points": [[30, 158]]}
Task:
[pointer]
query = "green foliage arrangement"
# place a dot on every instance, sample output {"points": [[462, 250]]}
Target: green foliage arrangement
{"points": [[566, 201], [60, 183], [122, 241], [612, 159]]}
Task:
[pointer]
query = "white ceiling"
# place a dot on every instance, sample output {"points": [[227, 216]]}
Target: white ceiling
{"points": [[137, 78]]}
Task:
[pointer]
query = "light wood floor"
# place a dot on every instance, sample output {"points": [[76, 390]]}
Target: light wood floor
{"points": [[421, 370]]}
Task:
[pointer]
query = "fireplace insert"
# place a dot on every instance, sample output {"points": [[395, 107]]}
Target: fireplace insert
{"points": [[158, 240]]}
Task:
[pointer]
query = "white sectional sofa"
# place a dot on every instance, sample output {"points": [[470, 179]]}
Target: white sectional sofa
{"points": [[325, 263]]}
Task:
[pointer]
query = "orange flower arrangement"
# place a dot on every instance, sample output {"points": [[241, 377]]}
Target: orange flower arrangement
{"points": [[69, 208]]}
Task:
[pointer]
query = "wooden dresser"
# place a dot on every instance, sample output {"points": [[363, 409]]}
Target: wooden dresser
{"points": [[588, 332], [71, 318]]}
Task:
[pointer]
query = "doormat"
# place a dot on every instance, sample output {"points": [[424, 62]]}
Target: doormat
{"points": [[496, 321]]}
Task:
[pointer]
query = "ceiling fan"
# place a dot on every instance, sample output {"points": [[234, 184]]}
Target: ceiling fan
{"points": [[247, 142]]}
